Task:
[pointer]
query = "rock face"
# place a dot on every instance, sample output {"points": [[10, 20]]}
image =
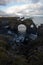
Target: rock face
{"points": [[40, 30], [13, 44], [19, 29]]}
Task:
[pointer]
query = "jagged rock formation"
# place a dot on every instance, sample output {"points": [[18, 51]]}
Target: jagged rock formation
{"points": [[21, 53]]}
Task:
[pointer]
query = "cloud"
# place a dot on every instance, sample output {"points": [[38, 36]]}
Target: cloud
{"points": [[35, 1], [30, 7], [26, 9], [2, 13], [17, 8], [3, 2]]}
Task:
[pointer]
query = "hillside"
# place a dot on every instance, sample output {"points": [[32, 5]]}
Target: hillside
{"points": [[28, 52]]}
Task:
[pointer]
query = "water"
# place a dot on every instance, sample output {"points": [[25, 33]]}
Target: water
{"points": [[38, 20]]}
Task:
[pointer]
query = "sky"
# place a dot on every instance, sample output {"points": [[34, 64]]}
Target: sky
{"points": [[22, 7]]}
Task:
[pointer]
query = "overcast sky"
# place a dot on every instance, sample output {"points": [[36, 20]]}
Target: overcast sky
{"points": [[32, 8], [22, 7]]}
